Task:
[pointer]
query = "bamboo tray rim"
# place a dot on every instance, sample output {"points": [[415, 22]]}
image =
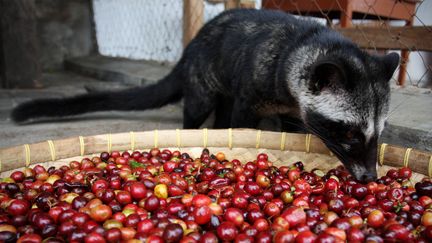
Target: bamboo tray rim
{"points": [[15, 157]]}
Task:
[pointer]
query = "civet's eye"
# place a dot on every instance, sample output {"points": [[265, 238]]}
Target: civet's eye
{"points": [[349, 134]]}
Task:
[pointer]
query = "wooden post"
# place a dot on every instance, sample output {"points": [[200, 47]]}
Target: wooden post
{"points": [[390, 38], [247, 4], [19, 64], [193, 19], [346, 15], [230, 4], [404, 59]]}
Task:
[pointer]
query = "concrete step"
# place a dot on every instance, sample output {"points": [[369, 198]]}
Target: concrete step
{"points": [[410, 118], [66, 84], [131, 72]]}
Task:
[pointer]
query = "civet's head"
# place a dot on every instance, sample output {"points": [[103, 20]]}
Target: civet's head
{"points": [[343, 96]]}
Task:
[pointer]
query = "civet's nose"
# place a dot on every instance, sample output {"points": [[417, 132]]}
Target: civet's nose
{"points": [[367, 177]]}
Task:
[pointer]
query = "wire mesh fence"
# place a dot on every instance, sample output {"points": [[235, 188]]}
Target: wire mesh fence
{"points": [[149, 30], [379, 26], [135, 29], [158, 30]]}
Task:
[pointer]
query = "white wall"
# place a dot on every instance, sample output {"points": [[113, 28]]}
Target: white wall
{"points": [[142, 29]]}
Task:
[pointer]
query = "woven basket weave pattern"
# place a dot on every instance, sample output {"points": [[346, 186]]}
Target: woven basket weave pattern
{"points": [[243, 144]]}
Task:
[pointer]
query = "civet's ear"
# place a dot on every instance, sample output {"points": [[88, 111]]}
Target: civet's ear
{"points": [[391, 62], [326, 74]]}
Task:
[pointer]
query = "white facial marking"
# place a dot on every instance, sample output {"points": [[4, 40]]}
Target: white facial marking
{"points": [[381, 124], [333, 107], [301, 58], [370, 129], [336, 107], [347, 147], [358, 170]]}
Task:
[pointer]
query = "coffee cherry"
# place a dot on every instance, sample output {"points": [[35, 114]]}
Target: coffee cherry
{"points": [[375, 218], [164, 196], [227, 231], [172, 233]]}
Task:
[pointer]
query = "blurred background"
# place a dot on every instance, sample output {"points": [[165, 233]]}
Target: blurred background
{"points": [[61, 48]]}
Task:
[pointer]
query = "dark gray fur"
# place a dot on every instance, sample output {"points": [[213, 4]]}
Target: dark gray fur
{"points": [[250, 64]]}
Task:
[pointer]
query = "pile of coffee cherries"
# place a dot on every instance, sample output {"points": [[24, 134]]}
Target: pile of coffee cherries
{"points": [[167, 196]]}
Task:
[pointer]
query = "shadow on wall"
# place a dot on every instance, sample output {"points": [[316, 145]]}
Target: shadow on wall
{"points": [[64, 30]]}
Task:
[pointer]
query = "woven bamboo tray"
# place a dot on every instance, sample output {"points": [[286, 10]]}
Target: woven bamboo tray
{"points": [[243, 144]]}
